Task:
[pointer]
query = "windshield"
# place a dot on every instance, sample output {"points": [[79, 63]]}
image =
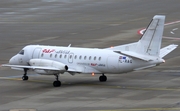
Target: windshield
{"points": [[21, 52]]}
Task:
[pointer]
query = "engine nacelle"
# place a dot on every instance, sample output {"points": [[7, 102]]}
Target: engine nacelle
{"points": [[48, 63]]}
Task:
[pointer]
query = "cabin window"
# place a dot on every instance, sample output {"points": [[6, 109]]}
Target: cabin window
{"points": [[75, 56], [55, 56], [84, 57], [21, 52], [94, 58], [42, 55], [80, 57], [50, 55], [99, 58], [65, 56], [70, 56], [89, 57], [60, 56]]}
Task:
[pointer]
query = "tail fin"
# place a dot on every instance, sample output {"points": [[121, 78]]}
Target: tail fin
{"points": [[150, 42], [148, 47]]}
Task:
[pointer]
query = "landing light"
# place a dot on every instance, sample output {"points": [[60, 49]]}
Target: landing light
{"points": [[92, 74], [112, 46]]}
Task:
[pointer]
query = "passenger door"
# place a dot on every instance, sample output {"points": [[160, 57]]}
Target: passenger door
{"points": [[36, 53], [70, 58]]}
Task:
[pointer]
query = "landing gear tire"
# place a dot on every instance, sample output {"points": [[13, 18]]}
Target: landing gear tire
{"points": [[24, 78], [103, 78], [57, 83]]}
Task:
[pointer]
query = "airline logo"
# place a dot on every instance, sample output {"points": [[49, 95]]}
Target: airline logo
{"points": [[93, 64], [48, 50], [63, 52], [53, 50]]}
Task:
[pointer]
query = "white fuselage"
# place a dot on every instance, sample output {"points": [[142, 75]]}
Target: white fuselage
{"points": [[83, 60], [55, 60]]}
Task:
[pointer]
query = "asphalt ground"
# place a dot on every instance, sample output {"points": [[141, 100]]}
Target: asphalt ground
{"points": [[87, 23]]}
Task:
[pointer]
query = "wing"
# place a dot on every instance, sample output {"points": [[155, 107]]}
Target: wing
{"points": [[70, 69], [30, 67]]}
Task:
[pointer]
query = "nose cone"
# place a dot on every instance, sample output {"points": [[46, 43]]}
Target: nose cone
{"points": [[13, 60]]}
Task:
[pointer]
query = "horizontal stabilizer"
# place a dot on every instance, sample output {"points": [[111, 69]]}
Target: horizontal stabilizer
{"points": [[166, 50], [135, 55]]}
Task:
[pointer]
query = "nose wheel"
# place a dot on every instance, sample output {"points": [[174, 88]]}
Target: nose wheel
{"points": [[25, 77], [57, 83], [102, 78]]}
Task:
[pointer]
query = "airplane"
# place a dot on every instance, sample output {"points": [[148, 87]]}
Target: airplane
{"points": [[56, 60]]}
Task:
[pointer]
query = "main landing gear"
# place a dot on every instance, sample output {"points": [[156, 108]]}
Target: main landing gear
{"points": [[102, 78], [57, 83], [25, 77]]}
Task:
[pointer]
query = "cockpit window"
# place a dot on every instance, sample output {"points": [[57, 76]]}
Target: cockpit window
{"points": [[21, 52]]}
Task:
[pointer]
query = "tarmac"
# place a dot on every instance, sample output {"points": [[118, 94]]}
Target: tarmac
{"points": [[94, 24]]}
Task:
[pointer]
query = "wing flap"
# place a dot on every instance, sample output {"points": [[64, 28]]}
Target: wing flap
{"points": [[72, 70]]}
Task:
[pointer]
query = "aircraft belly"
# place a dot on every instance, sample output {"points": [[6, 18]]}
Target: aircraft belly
{"points": [[88, 69]]}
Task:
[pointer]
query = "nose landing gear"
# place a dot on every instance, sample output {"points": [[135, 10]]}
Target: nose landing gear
{"points": [[25, 77]]}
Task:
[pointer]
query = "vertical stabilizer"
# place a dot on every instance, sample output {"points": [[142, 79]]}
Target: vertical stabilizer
{"points": [[150, 43]]}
